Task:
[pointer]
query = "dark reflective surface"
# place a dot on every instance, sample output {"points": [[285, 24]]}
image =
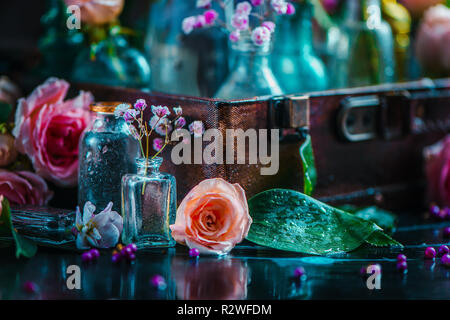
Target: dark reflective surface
{"points": [[248, 273]]}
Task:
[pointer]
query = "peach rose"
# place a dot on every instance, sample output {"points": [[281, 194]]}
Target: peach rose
{"points": [[433, 41], [24, 187], [213, 217], [48, 129], [98, 11], [8, 152], [437, 168]]}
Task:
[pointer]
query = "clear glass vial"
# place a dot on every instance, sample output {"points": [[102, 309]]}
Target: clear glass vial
{"points": [[149, 201], [107, 152]]}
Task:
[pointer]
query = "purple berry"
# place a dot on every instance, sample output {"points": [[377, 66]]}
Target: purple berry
{"points": [[133, 247], [443, 250], [299, 272], [446, 232], [158, 282], [95, 253], [401, 258], [194, 253], [30, 287], [402, 266], [446, 260], [86, 256], [115, 257], [435, 211], [430, 253]]}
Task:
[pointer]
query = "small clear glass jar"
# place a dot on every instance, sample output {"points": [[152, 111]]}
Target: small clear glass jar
{"points": [[107, 152], [149, 201]]}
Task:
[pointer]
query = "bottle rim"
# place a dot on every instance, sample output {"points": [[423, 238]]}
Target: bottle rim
{"points": [[106, 106]]}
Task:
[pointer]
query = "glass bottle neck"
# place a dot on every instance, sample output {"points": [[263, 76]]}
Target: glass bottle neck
{"points": [[148, 167]]}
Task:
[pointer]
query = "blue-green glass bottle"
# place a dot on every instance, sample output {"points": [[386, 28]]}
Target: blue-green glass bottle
{"points": [[294, 62]]}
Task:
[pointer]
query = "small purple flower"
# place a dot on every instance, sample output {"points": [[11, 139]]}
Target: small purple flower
{"points": [[130, 115], [178, 111], [256, 2], [158, 143], [210, 16], [243, 8], [188, 24], [261, 36], [203, 4], [240, 22], [269, 25], [160, 111], [140, 105], [160, 125], [235, 36], [290, 10], [196, 128], [200, 22], [180, 123]]}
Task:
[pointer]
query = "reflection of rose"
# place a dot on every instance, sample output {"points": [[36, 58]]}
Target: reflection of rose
{"points": [[213, 217], [417, 7], [48, 130], [24, 187], [8, 152], [433, 41], [98, 11], [210, 279], [437, 166]]}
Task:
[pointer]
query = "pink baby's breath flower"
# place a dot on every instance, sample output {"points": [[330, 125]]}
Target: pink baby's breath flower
{"points": [[235, 36], [180, 123], [243, 8], [256, 2], [178, 111], [280, 6], [200, 22], [130, 115], [240, 22], [160, 125], [260, 36], [196, 128], [269, 25], [158, 143], [160, 111], [210, 16], [203, 4], [290, 10], [188, 24], [140, 104]]}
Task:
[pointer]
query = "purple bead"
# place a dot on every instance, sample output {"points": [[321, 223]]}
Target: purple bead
{"points": [[402, 266], [127, 251], [299, 272], [95, 253], [446, 232], [443, 250], [443, 214], [133, 247], [435, 211], [194, 253], [30, 287], [401, 258], [446, 260], [430, 253], [131, 257], [158, 282], [115, 257], [86, 256]]}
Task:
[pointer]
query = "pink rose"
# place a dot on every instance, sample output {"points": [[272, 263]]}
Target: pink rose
{"points": [[98, 11], [210, 279], [8, 152], [433, 41], [213, 217], [48, 130], [24, 187], [437, 167]]}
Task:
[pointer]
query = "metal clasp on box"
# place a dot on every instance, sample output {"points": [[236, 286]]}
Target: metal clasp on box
{"points": [[291, 114]]}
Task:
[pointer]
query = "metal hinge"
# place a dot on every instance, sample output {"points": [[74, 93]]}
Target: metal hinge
{"points": [[291, 114]]}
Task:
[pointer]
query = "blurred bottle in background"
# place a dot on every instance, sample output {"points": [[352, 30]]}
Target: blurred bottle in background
{"points": [[361, 48], [294, 61]]}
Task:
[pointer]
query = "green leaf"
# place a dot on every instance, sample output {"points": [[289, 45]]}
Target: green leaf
{"points": [[292, 221], [309, 169], [386, 220], [24, 246]]}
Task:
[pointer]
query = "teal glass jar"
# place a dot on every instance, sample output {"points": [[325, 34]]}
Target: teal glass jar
{"points": [[113, 63], [149, 204], [294, 62]]}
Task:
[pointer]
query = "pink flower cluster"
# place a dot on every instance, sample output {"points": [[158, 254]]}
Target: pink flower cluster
{"points": [[240, 20]]}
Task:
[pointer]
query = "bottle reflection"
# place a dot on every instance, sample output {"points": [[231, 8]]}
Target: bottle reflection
{"points": [[210, 278]]}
